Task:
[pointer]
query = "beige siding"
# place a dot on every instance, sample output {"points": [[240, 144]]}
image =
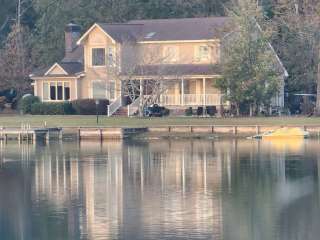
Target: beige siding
{"points": [[187, 53], [98, 39], [56, 71]]}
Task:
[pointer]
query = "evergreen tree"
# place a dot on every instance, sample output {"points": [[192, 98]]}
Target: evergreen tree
{"points": [[249, 74]]}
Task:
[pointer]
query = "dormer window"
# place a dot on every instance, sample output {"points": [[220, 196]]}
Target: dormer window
{"points": [[98, 57]]}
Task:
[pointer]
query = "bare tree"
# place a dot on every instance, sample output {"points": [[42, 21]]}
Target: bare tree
{"points": [[15, 61], [299, 42], [146, 74]]}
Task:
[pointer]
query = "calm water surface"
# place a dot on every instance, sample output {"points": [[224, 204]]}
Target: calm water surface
{"points": [[161, 189]]}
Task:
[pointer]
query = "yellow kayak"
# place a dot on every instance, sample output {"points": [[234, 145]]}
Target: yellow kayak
{"points": [[285, 133]]}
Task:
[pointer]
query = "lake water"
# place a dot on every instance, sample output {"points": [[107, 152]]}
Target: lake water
{"points": [[161, 189]]}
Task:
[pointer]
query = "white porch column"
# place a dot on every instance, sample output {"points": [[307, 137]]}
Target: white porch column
{"points": [[76, 89], [161, 93], [120, 90], [182, 91], [204, 91], [141, 90]]}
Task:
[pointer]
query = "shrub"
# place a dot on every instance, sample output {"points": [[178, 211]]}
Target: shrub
{"points": [[188, 111], [25, 103], [211, 110], [52, 108], [200, 111], [88, 107], [166, 112]]}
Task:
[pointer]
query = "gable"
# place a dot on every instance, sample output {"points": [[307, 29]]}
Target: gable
{"points": [[96, 36], [56, 69]]}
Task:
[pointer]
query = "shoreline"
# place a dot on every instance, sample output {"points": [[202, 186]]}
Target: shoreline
{"points": [[160, 132]]}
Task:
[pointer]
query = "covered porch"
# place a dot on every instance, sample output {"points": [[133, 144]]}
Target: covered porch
{"points": [[190, 92]]}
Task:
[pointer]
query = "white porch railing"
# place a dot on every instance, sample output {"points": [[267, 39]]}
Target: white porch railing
{"points": [[133, 107], [191, 100], [113, 107], [214, 99], [170, 99]]}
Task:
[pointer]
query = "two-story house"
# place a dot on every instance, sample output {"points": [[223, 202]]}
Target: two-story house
{"points": [[97, 65]]}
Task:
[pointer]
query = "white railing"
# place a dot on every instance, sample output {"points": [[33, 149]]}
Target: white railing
{"points": [[213, 99], [113, 107], [191, 100], [133, 107], [170, 100]]}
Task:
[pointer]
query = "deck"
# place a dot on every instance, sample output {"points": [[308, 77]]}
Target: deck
{"points": [[26, 133]]}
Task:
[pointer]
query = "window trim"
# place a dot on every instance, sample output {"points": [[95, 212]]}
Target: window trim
{"points": [[171, 59], [105, 57], [98, 81], [55, 82], [199, 56], [109, 90], [111, 52]]}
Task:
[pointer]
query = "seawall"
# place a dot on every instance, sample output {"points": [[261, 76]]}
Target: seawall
{"points": [[173, 131]]}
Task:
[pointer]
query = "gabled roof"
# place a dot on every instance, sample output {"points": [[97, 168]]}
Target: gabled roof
{"points": [[70, 69], [174, 70], [122, 32], [75, 56], [181, 29], [184, 29]]}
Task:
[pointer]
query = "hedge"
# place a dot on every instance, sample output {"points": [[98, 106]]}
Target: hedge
{"points": [[52, 108], [25, 103], [88, 107], [32, 105]]}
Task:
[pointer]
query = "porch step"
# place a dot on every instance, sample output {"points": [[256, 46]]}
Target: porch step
{"points": [[123, 111]]}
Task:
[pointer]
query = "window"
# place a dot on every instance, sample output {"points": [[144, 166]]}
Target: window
{"points": [[45, 91], [98, 57], [170, 54], [60, 91], [111, 57], [203, 53], [56, 91], [66, 91], [53, 95], [150, 35], [98, 89]]}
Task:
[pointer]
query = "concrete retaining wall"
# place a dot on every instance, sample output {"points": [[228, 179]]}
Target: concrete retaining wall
{"points": [[231, 131]]}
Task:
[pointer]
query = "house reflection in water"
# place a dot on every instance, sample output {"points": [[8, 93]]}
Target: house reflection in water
{"points": [[168, 189], [163, 192]]}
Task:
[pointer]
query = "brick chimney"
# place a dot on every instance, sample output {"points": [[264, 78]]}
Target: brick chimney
{"points": [[72, 35]]}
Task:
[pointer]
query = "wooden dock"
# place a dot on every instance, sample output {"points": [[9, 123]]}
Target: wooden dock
{"points": [[30, 134]]}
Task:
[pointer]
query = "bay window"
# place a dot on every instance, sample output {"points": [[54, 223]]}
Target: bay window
{"points": [[56, 91]]}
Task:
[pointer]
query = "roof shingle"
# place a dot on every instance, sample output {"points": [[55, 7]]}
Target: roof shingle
{"points": [[174, 70]]}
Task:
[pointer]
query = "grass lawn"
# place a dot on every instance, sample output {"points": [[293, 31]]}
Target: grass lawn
{"points": [[85, 121]]}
